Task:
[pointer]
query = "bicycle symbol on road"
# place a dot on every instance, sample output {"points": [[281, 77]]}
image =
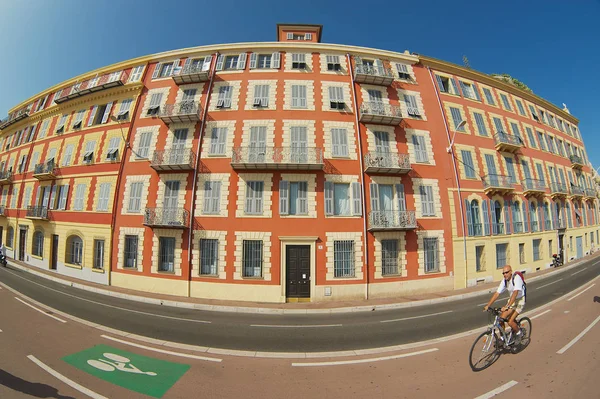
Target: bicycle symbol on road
{"points": [[117, 362]]}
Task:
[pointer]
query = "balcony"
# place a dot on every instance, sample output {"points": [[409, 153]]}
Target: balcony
{"points": [[2, 210], [168, 160], [6, 177], [576, 161], [373, 75], [385, 162], [533, 186], [507, 142], [14, 118], [558, 190], [191, 74], [93, 85], [282, 158], [497, 184], [577, 192], [37, 212], [45, 171], [380, 113], [392, 220], [590, 193], [176, 218], [560, 224], [181, 112]]}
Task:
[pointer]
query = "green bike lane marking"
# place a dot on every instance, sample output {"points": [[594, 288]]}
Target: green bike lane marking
{"points": [[128, 370]]}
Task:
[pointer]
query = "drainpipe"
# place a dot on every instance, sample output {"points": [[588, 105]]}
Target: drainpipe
{"points": [[197, 166], [362, 178], [120, 175], [460, 201]]}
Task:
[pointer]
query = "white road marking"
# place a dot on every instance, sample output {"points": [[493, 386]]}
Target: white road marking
{"points": [[540, 314], [0, 330], [209, 359], [39, 310], [545, 285], [577, 338], [498, 390], [575, 296], [416, 317], [295, 325], [579, 271], [376, 359], [66, 380], [117, 307], [567, 311]]}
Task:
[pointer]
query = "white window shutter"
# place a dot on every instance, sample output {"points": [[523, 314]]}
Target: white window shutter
{"points": [[92, 115], [206, 63], [290, 36], [283, 197], [156, 70], [308, 36], [107, 112], [302, 198], [220, 62], [295, 96], [52, 197], [63, 197], [401, 197], [356, 199], [276, 60], [216, 196], [242, 61], [187, 63], [175, 69], [253, 60], [302, 95], [328, 198], [374, 197]]}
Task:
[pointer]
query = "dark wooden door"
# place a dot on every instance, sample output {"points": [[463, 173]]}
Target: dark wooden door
{"points": [[54, 255], [22, 242], [297, 260]]}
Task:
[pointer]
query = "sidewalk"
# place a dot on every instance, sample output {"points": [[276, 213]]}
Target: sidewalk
{"points": [[285, 308]]}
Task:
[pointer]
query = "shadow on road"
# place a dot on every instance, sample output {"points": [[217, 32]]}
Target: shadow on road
{"points": [[35, 389]]}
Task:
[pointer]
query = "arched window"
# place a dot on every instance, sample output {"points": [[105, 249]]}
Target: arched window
{"points": [[10, 235], [569, 216], [476, 218], [517, 220], [547, 224], [497, 225], [533, 216], [38, 244], [74, 253], [558, 214]]}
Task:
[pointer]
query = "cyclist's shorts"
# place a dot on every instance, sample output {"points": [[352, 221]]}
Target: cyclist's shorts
{"points": [[519, 305]]}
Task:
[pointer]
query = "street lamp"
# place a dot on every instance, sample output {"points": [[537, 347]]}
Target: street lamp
{"points": [[460, 125]]}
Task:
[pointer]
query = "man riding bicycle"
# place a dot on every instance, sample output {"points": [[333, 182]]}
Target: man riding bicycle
{"points": [[516, 302]]}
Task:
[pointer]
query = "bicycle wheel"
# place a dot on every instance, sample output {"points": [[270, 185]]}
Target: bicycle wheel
{"points": [[525, 326], [484, 351]]}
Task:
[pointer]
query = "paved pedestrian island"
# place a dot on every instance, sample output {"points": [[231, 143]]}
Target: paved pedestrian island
{"points": [[135, 372]]}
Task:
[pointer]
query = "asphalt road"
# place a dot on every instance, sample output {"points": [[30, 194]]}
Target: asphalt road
{"points": [[286, 333]]}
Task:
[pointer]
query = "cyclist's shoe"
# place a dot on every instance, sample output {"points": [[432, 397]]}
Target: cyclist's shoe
{"points": [[518, 336]]}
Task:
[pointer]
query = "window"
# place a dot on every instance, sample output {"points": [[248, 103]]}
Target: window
{"points": [[469, 90], [467, 160], [38, 244], [263, 61], [488, 96], [42, 104], [98, 254], [136, 73], [333, 63], [457, 119], [551, 120], [13, 200], [389, 256], [541, 140], [212, 198], [505, 102], [123, 113], [78, 119], [447, 85], [62, 196], [343, 258], [498, 125], [27, 197], [473, 218], [135, 197], [298, 96], [209, 256], [520, 107], [298, 61], [254, 198], [480, 258], [516, 131], [74, 250], [252, 258], [100, 114], [497, 224], [131, 252], [560, 125], [403, 72], [536, 249], [165, 69], [144, 145], [339, 138], [531, 138], [88, 155], [66, 161], [154, 106], [60, 126], [166, 254], [22, 164], [522, 253], [480, 125], [427, 201], [10, 234], [79, 197], [501, 255], [342, 199], [261, 95], [112, 153], [533, 113], [44, 128], [293, 198], [543, 115], [420, 149], [224, 99], [231, 62], [103, 194], [432, 262], [510, 167], [336, 98], [517, 220], [217, 141], [412, 107]]}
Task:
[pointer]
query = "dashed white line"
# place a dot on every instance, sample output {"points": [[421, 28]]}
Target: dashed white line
{"points": [[416, 317], [577, 338], [66, 380], [545, 285], [575, 296], [578, 271], [376, 359], [498, 390], [209, 359], [295, 325], [39, 310], [540, 314]]}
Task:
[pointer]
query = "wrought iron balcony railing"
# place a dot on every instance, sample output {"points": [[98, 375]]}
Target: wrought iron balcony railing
{"points": [[576, 160], [533, 185], [380, 113], [372, 74], [534, 226], [46, 170], [258, 157], [507, 141], [392, 220], [558, 189], [559, 224], [181, 112], [178, 159], [192, 74], [6, 177], [167, 217], [577, 191], [387, 162], [37, 212], [497, 183], [14, 118], [95, 84], [590, 192]]}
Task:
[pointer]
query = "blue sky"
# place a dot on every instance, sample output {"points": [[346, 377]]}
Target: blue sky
{"points": [[550, 45]]}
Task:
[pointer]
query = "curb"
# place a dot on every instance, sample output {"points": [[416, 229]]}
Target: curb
{"points": [[250, 309]]}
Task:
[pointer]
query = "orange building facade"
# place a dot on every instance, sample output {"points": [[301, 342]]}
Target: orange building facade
{"points": [[292, 171]]}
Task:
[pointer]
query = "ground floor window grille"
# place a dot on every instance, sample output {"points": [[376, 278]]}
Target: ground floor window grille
{"points": [[208, 256], [343, 258], [389, 256], [166, 254], [252, 258], [432, 261], [131, 250]]}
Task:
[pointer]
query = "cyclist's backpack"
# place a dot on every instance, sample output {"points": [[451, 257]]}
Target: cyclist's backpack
{"points": [[513, 282]]}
